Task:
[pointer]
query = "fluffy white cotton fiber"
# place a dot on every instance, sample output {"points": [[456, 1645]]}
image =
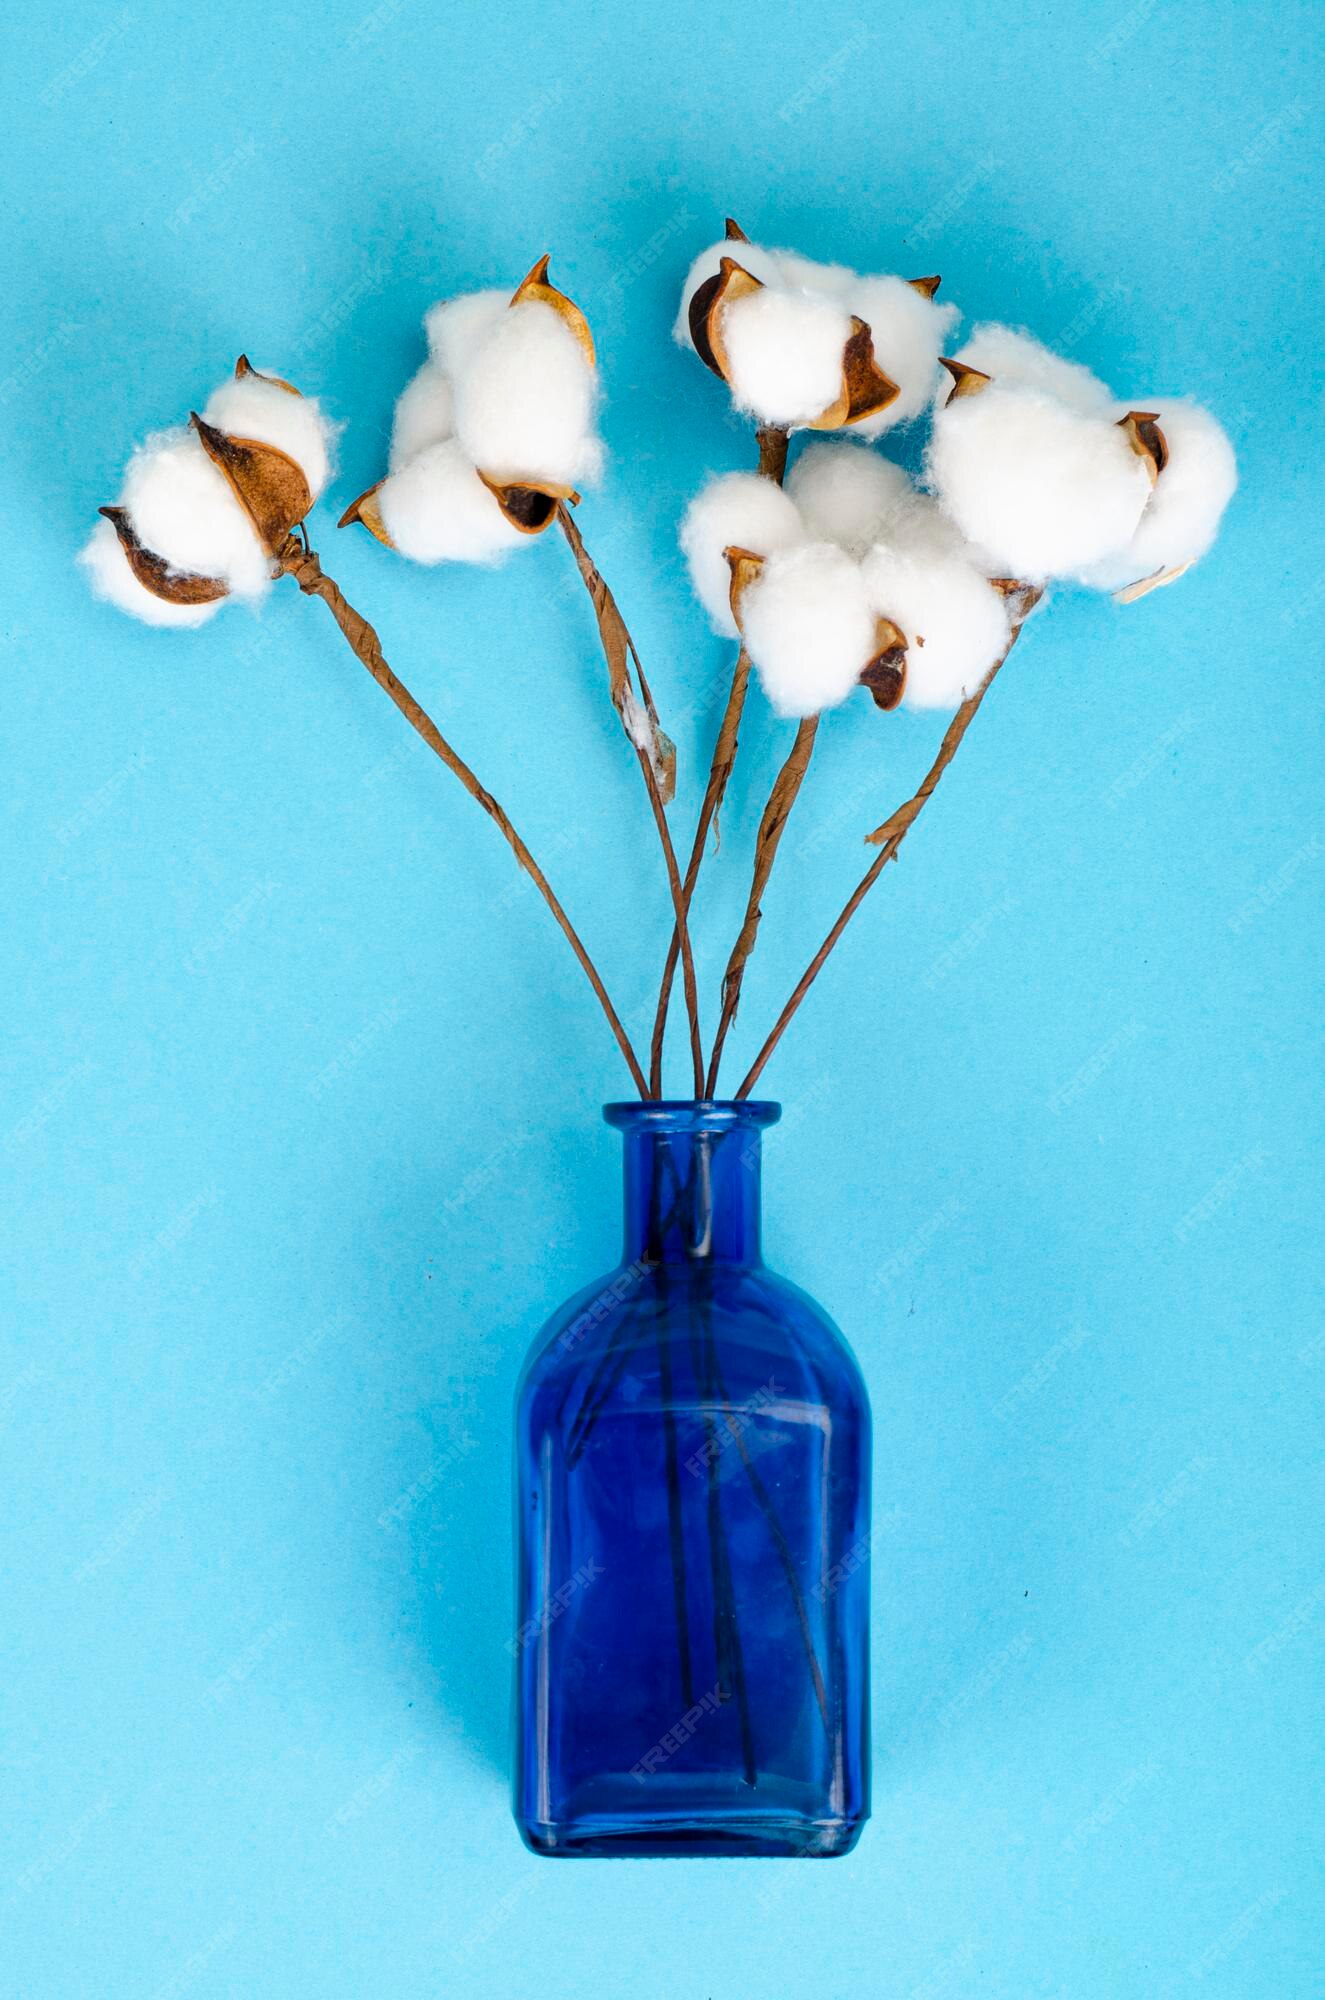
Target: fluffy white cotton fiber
{"points": [[425, 414], [1010, 356], [437, 509], [760, 263], [253, 406], [778, 360], [784, 353], [182, 509], [524, 399], [808, 626], [846, 493], [508, 391], [1042, 485], [955, 622], [740, 511], [111, 577], [1183, 513], [456, 327], [849, 541]]}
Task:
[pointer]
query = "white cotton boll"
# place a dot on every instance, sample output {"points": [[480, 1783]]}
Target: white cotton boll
{"points": [[1039, 488], [845, 493], [955, 622], [247, 406], [425, 415], [1011, 357], [111, 577], [181, 509], [909, 331], [808, 627], [784, 354], [760, 263], [742, 511], [458, 327], [437, 509], [524, 400], [1183, 512], [918, 526]]}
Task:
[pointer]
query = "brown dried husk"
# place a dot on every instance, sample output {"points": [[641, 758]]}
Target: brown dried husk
{"points": [[965, 381], [537, 286], [245, 367], [884, 674], [367, 513], [267, 483], [530, 505], [927, 286], [1142, 431], [1158, 580], [865, 388], [173, 586], [745, 566]]}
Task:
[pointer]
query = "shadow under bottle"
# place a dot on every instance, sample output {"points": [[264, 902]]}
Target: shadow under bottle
{"points": [[693, 1450]]}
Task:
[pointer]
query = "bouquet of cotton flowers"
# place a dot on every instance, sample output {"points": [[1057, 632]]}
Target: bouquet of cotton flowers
{"points": [[830, 568], [840, 572]]}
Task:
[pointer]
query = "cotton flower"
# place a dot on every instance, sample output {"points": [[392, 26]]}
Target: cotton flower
{"points": [[740, 511], [848, 576], [204, 511], [495, 430], [806, 345], [1035, 465], [1195, 483], [808, 627], [846, 494]]}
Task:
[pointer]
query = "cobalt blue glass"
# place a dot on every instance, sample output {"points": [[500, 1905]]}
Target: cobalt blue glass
{"points": [[693, 1453]]}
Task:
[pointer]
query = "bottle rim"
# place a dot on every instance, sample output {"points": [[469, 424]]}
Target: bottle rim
{"points": [[688, 1114]]}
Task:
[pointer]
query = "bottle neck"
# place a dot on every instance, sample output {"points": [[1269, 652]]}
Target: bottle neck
{"points": [[692, 1182]]}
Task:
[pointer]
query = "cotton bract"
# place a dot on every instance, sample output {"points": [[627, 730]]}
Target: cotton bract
{"points": [[496, 428], [203, 511], [1182, 515], [779, 335], [1031, 471]]}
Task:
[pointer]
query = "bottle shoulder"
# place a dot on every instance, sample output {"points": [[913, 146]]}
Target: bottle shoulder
{"points": [[746, 1308]]}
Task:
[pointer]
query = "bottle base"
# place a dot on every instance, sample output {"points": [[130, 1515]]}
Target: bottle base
{"points": [[601, 1836]]}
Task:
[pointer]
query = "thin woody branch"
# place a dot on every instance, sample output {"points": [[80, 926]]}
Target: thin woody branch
{"points": [[657, 762], [772, 826], [308, 573], [888, 838], [773, 442]]}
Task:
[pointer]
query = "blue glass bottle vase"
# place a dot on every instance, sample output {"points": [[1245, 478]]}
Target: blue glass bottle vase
{"points": [[693, 1451]]}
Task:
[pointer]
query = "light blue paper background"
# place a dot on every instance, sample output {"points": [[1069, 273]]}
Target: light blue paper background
{"points": [[300, 1124]]}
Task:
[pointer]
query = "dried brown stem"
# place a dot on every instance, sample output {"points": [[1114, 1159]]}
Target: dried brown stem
{"points": [[781, 799], [308, 573], [772, 465], [888, 838], [720, 770], [772, 451], [657, 759]]}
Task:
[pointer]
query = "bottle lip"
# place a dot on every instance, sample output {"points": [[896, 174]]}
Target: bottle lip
{"points": [[687, 1114]]}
